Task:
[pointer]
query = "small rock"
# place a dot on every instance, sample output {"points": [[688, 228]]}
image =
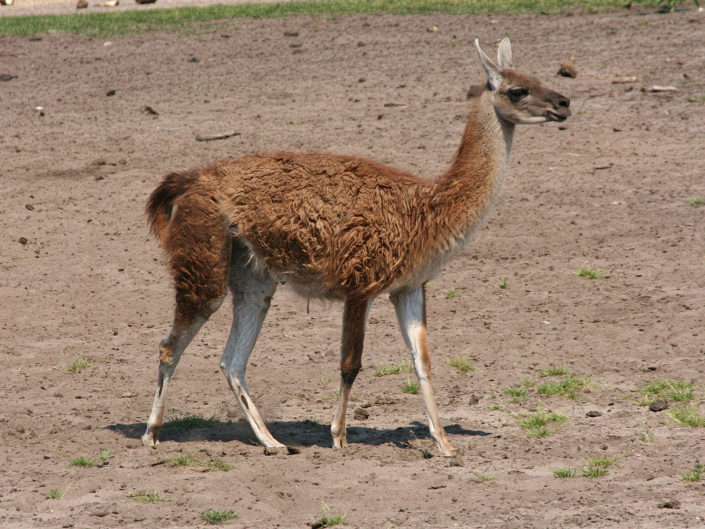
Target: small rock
{"points": [[111, 3], [361, 414], [22, 240], [568, 68], [432, 29], [29, 207], [658, 405], [670, 504], [291, 33], [110, 93], [145, 1], [593, 413], [626, 79], [656, 89], [7, 77], [82, 4]]}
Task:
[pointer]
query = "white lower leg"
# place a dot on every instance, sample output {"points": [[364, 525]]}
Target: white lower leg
{"points": [[410, 309], [251, 413], [154, 424], [170, 351], [338, 429], [434, 424]]}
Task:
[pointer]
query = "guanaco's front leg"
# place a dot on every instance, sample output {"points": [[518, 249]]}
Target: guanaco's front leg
{"points": [[410, 307], [354, 319]]}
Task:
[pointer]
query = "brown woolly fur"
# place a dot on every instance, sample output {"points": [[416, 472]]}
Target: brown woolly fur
{"points": [[332, 226], [161, 202], [184, 214]]}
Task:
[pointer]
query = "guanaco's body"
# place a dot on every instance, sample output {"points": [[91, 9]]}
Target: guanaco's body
{"points": [[332, 226]]}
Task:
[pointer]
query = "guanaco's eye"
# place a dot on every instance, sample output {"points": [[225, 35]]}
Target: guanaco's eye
{"points": [[515, 94]]}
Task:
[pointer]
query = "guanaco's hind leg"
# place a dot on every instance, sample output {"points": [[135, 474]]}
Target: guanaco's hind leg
{"points": [[198, 245], [410, 306], [170, 350], [252, 291], [354, 320]]}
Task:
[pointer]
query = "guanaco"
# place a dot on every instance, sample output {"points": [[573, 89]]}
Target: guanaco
{"points": [[336, 227]]}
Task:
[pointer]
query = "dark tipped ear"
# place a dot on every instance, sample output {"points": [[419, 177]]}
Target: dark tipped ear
{"points": [[504, 54], [494, 72]]}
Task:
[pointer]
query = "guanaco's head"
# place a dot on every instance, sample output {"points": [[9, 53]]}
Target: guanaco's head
{"points": [[517, 97]]}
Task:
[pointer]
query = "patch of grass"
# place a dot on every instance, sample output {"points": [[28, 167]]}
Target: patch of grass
{"points": [[450, 294], [461, 364], [667, 389], [105, 457], [54, 494], [203, 465], [148, 496], [695, 475], [327, 519], [425, 453], [480, 478], [125, 22], [537, 423], [565, 473], [503, 283], [393, 370], [217, 464], [79, 365], [688, 416], [597, 466], [82, 461], [216, 517], [568, 387], [590, 273], [181, 460], [410, 387], [555, 371], [188, 422], [516, 392]]}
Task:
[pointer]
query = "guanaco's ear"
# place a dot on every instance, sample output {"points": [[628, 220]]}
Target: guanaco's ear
{"points": [[494, 72], [504, 54]]}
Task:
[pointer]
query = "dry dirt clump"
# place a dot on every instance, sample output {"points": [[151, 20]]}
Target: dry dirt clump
{"points": [[86, 297]]}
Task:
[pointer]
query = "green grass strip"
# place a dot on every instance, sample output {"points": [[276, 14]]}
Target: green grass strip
{"points": [[145, 21]]}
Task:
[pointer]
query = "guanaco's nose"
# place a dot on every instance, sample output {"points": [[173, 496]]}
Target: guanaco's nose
{"points": [[560, 101]]}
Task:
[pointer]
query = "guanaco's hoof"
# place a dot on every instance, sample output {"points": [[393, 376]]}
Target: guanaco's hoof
{"points": [[148, 440]]}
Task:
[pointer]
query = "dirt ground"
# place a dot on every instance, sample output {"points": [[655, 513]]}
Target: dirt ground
{"points": [[82, 279]]}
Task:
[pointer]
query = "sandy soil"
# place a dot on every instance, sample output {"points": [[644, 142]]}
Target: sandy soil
{"points": [[81, 278]]}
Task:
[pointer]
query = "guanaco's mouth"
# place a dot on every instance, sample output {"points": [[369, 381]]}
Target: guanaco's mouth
{"points": [[550, 115]]}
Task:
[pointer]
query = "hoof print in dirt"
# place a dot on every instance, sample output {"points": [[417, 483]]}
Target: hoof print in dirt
{"points": [[593, 413]]}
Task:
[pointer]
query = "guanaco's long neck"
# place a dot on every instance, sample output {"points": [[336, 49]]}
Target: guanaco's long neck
{"points": [[464, 194]]}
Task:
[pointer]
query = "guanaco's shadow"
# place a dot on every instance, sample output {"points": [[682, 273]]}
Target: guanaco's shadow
{"points": [[294, 433]]}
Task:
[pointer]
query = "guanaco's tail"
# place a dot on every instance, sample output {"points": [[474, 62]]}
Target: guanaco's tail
{"points": [[160, 205]]}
